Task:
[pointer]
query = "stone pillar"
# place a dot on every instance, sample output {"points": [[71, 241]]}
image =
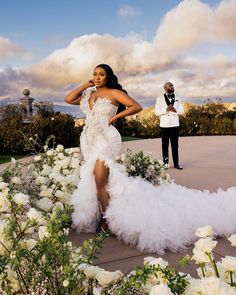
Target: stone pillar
{"points": [[27, 103]]}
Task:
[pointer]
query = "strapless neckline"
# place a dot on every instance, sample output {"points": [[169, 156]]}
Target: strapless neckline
{"points": [[97, 99]]}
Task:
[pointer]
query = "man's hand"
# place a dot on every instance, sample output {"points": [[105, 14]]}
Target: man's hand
{"points": [[170, 108]]}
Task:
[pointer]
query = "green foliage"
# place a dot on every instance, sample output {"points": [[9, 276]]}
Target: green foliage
{"points": [[212, 118], [11, 141], [15, 135]]}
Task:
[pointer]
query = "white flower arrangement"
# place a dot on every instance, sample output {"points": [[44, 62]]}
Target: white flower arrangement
{"points": [[37, 258], [141, 165]]}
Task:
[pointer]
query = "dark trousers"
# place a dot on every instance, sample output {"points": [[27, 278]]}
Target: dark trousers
{"points": [[170, 134]]}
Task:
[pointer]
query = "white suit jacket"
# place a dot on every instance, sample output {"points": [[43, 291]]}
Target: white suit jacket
{"points": [[168, 119]]}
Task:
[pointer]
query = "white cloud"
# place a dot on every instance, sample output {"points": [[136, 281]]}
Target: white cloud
{"points": [[126, 11], [143, 66], [9, 49]]}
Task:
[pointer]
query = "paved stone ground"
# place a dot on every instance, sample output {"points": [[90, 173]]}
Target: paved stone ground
{"points": [[209, 163]]}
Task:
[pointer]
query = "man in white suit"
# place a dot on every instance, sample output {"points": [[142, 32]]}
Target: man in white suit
{"points": [[169, 107]]}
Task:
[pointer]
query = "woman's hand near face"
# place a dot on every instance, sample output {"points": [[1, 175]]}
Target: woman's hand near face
{"points": [[74, 97]]}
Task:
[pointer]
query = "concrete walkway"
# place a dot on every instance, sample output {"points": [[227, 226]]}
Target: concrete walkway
{"points": [[209, 163]]}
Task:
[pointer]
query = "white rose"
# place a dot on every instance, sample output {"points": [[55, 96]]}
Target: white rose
{"points": [[43, 232], [213, 285], [75, 162], [59, 148], [24, 225], [59, 194], [91, 271], [66, 171], [49, 153], [33, 214], [65, 283], [199, 256], [16, 180], [58, 206], [232, 239], [60, 156], [161, 290], [208, 272], [45, 204], [3, 185], [41, 180], [30, 243], [97, 291], [204, 232], [21, 198], [46, 170], [132, 168], [46, 193], [37, 158], [104, 278], [156, 261], [205, 245], [229, 263], [13, 160], [71, 179], [3, 224], [4, 203]]}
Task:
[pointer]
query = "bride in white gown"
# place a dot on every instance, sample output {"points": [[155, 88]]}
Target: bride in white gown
{"points": [[151, 218]]}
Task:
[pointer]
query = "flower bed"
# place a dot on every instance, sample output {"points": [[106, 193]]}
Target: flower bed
{"points": [[36, 256]]}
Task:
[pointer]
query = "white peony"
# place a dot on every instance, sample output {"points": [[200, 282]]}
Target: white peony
{"points": [[46, 170], [97, 291], [46, 193], [65, 283], [91, 271], [213, 285], [60, 156], [49, 153], [21, 198], [229, 263], [57, 206], [45, 204], [105, 278], [37, 158], [3, 224], [41, 180], [43, 232], [204, 232], [4, 203], [199, 256], [33, 214], [59, 148], [16, 180], [29, 243], [3, 185], [208, 271], [160, 290], [205, 245], [156, 261], [232, 240]]}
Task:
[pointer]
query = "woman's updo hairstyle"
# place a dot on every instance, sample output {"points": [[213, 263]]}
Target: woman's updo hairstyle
{"points": [[112, 82]]}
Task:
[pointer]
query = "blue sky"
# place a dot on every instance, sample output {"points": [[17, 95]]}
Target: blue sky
{"points": [[148, 40]]}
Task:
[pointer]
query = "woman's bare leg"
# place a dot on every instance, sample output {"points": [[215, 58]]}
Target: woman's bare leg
{"points": [[101, 173]]}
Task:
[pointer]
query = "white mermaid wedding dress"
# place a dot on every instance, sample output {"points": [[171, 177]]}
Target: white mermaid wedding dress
{"points": [[151, 218]]}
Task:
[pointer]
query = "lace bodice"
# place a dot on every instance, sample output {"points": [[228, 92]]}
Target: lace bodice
{"points": [[101, 111], [97, 135]]}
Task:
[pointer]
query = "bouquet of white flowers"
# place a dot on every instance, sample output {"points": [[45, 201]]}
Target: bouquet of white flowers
{"points": [[140, 164]]}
